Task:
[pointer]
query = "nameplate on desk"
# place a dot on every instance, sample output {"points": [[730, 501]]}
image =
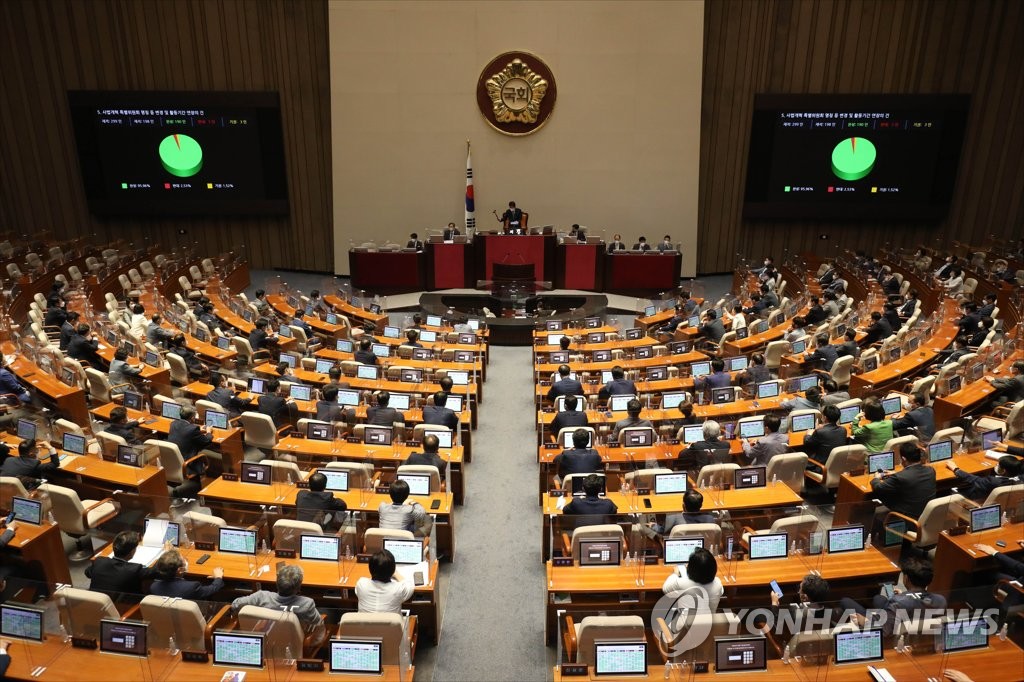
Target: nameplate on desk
{"points": [[194, 656], [561, 561], [353, 439], [552, 446], [650, 559], [547, 410], [383, 489], [555, 492], [205, 546], [957, 530], [614, 445], [574, 670], [284, 553], [593, 380], [309, 665], [412, 443], [672, 441], [83, 642], [363, 558], [229, 477], [643, 491], [302, 485], [545, 383], [700, 666]]}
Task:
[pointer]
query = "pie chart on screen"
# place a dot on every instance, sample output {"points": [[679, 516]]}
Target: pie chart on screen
{"points": [[853, 158], [181, 155]]}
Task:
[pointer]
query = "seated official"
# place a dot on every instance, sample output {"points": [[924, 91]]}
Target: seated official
{"points": [[513, 219], [681, 317], [67, 330], [810, 400], [619, 385], [9, 383], [632, 420], [56, 315], [892, 316], [116, 575], [616, 244], [382, 415], [429, 456], [385, 590], [260, 338], [718, 378], [769, 296], [591, 504], [1008, 472], [696, 582], [412, 339], [450, 232], [909, 490], [692, 503], [666, 244], [830, 305], [84, 347], [981, 334], [287, 598], [27, 464], [918, 421], [641, 245], [711, 450], [756, 372], [712, 329], [260, 302], [155, 333], [913, 603], [568, 417], [401, 513], [797, 329], [806, 612], [824, 355], [197, 369], [1009, 569], [438, 413], [227, 398], [191, 439], [565, 385], [121, 372], [170, 569], [878, 330], [877, 430], [960, 349], [1010, 389], [317, 504], [209, 318], [687, 418], [364, 354], [987, 307], [275, 405], [299, 321], [580, 459], [818, 445], [327, 407], [771, 444], [758, 305], [121, 427], [833, 393], [815, 313], [414, 242]]}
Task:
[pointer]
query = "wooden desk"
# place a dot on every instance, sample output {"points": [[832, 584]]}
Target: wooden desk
{"points": [[756, 342], [387, 271], [642, 272], [226, 441], [627, 363], [158, 377], [280, 304], [91, 476], [954, 405], [956, 558], [382, 456], [428, 388], [346, 308], [43, 549], [478, 365], [887, 375], [222, 494], [69, 400], [594, 588]]}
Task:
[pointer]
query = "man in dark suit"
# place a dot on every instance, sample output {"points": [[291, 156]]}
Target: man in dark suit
{"points": [[824, 355], [317, 504], [919, 417], [681, 316], [908, 490], [984, 311], [907, 309], [1008, 472], [828, 276], [273, 404], [960, 349], [815, 314], [260, 338], [642, 245], [878, 329], [439, 414], [56, 314], [83, 346], [892, 316], [819, 444], [513, 219], [1010, 389], [412, 339], [414, 242], [565, 385], [568, 417], [981, 334], [27, 464], [581, 459], [327, 408], [170, 568], [67, 330], [632, 420], [191, 439], [116, 575], [592, 504], [364, 355], [616, 244], [450, 232], [382, 415], [120, 426], [968, 322], [712, 329], [711, 450], [757, 305], [226, 398], [429, 456], [692, 503], [619, 385]]}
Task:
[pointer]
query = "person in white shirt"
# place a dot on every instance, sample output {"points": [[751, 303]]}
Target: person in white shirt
{"points": [[955, 284], [138, 323], [736, 320], [385, 591], [700, 574]]}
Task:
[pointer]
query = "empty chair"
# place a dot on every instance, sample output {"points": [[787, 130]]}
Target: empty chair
{"points": [[711, 532], [601, 531], [183, 620], [373, 539], [773, 354], [288, 533], [285, 637], [259, 431], [100, 388], [954, 433], [841, 369], [644, 478], [284, 471], [798, 528], [178, 369], [939, 514], [672, 640], [10, 486], [81, 611], [397, 638], [893, 444], [841, 460], [203, 527], [248, 356], [175, 466], [716, 474], [579, 638], [197, 276], [788, 468], [78, 517]]}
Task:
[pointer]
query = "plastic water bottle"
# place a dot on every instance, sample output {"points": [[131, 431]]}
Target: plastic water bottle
{"points": [[901, 644], [792, 547], [263, 546], [785, 655], [1002, 633], [64, 636], [775, 480], [288, 658], [1006, 519], [172, 646]]}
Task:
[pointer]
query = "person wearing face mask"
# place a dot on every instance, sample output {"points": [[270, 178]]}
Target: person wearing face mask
{"points": [[616, 244], [666, 244], [450, 232]]}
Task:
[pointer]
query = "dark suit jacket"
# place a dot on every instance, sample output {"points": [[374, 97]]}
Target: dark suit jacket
{"points": [[383, 416], [848, 348], [5, 661], [275, 407], [907, 491], [1012, 388], [617, 387], [189, 439], [309, 502], [815, 315], [259, 339], [185, 589], [591, 506], [81, 348], [327, 411], [704, 452], [584, 461], [126, 431], [713, 330], [428, 458], [877, 331], [824, 356], [440, 415], [227, 399], [977, 488], [67, 331], [114, 576], [568, 419], [29, 466], [820, 443], [921, 418], [565, 386], [365, 357]]}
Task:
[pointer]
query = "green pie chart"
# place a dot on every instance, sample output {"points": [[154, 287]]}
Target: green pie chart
{"points": [[853, 158], [181, 155]]}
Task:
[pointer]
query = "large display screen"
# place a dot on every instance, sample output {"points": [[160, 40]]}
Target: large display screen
{"points": [[854, 156], [180, 153]]}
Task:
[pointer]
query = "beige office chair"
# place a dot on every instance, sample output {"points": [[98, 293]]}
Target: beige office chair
{"points": [[644, 478], [560, 436], [100, 388], [893, 444], [670, 636], [108, 444], [579, 638], [419, 429], [1010, 499], [954, 433], [841, 369], [171, 460], [601, 531], [246, 354], [183, 620], [80, 611], [1011, 424], [288, 533], [798, 527], [178, 369], [841, 460], [373, 539], [204, 527], [773, 354], [286, 638], [941, 513], [711, 532], [397, 635], [283, 471], [423, 470], [360, 474], [259, 431], [788, 468], [716, 474], [77, 517], [11, 486]]}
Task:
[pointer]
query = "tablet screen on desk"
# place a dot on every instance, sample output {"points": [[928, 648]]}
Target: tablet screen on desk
{"points": [[405, 551], [348, 397], [699, 369], [343, 346], [377, 435], [668, 484], [693, 433], [319, 547], [671, 400], [366, 372], [603, 356], [750, 477], [428, 336], [620, 658], [769, 546], [802, 422], [123, 637], [617, 403], [460, 378], [985, 518], [223, 342], [892, 405], [132, 400], [463, 356], [170, 410], [433, 320], [679, 549], [300, 392], [960, 635], [238, 649], [657, 374], [399, 401], [73, 443], [740, 654], [318, 431], [848, 414], [753, 428], [884, 461], [634, 333], [858, 646], [419, 484], [600, 552], [738, 363], [940, 451], [252, 472], [846, 539], [129, 455], [237, 541], [337, 479], [356, 656], [26, 429], [798, 346], [454, 403], [444, 438], [21, 621], [381, 350], [392, 332], [29, 511], [768, 389], [642, 352], [216, 419], [990, 438]]}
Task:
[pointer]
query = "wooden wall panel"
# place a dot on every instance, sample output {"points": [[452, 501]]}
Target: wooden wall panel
{"points": [[862, 46], [48, 47]]}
